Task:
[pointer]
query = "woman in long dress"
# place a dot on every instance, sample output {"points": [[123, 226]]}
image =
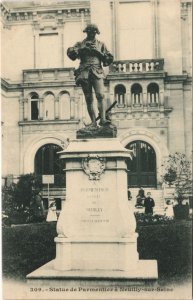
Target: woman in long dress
{"points": [[52, 216], [169, 212]]}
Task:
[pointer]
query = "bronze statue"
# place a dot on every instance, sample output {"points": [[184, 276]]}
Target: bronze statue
{"points": [[92, 54]]}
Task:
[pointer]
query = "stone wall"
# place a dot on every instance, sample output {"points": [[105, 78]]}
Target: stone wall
{"points": [[11, 139]]}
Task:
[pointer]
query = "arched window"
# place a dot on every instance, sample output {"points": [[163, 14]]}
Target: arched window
{"points": [[136, 94], [47, 162], [34, 106], [64, 106], [120, 92], [49, 107], [153, 94], [142, 166]]}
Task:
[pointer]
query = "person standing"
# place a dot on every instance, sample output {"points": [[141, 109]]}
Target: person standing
{"points": [[37, 207], [52, 216], [90, 75], [129, 196], [149, 204], [169, 211]]}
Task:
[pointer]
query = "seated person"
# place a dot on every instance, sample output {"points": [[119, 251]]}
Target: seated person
{"points": [[140, 197]]}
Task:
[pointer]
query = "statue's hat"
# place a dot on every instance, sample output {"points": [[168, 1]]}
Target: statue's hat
{"points": [[92, 27]]}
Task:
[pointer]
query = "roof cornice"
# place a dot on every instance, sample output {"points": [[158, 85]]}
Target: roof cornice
{"points": [[66, 10]]}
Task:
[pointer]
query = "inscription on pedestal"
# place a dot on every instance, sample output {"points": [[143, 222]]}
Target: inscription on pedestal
{"points": [[94, 207]]}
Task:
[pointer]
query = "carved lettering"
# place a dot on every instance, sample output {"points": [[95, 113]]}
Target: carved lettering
{"points": [[95, 209]]}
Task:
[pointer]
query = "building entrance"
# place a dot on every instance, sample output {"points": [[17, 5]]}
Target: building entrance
{"points": [[142, 168], [47, 163]]}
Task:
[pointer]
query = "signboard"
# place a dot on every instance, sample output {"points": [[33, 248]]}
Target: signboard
{"points": [[47, 179]]}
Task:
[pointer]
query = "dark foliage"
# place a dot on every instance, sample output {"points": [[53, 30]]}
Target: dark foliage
{"points": [[148, 219], [170, 244], [28, 247], [178, 172], [170, 176], [18, 199]]}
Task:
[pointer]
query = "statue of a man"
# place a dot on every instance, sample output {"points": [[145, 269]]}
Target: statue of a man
{"points": [[92, 54]]}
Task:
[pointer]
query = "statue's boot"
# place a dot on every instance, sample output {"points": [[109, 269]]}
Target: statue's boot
{"points": [[104, 122]]}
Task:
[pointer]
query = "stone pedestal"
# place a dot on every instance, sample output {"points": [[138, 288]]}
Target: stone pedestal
{"points": [[96, 227]]}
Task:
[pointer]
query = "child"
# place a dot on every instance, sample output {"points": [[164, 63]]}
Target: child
{"points": [[51, 217], [169, 212]]}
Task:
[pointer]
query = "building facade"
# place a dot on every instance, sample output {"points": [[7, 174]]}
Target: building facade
{"points": [[150, 78]]}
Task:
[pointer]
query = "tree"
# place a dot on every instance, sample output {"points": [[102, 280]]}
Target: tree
{"points": [[19, 198], [178, 173]]}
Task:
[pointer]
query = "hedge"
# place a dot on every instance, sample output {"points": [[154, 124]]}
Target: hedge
{"points": [[27, 247]]}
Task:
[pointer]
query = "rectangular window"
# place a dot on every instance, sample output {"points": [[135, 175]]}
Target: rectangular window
{"points": [[135, 30], [49, 51]]}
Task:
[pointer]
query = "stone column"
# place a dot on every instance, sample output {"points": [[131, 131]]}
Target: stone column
{"points": [[56, 104], [128, 100], [161, 98], [145, 101], [62, 41], [148, 99], [161, 101], [41, 108], [72, 107], [25, 104], [155, 28], [76, 110], [21, 109]]}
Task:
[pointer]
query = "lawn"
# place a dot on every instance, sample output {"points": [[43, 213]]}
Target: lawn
{"points": [[27, 247]]}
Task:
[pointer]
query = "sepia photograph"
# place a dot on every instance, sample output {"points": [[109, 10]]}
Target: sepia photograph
{"points": [[96, 149]]}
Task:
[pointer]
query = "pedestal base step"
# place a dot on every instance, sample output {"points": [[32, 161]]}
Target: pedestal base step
{"points": [[147, 270]]}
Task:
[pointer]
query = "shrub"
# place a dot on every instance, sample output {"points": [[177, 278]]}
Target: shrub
{"points": [[170, 176], [19, 198], [147, 219]]}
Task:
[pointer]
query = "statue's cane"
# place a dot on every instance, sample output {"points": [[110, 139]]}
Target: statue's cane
{"points": [[108, 109]]}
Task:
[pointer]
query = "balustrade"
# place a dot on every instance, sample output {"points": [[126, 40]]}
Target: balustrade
{"points": [[136, 99], [135, 66], [153, 99], [120, 98], [56, 74]]}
